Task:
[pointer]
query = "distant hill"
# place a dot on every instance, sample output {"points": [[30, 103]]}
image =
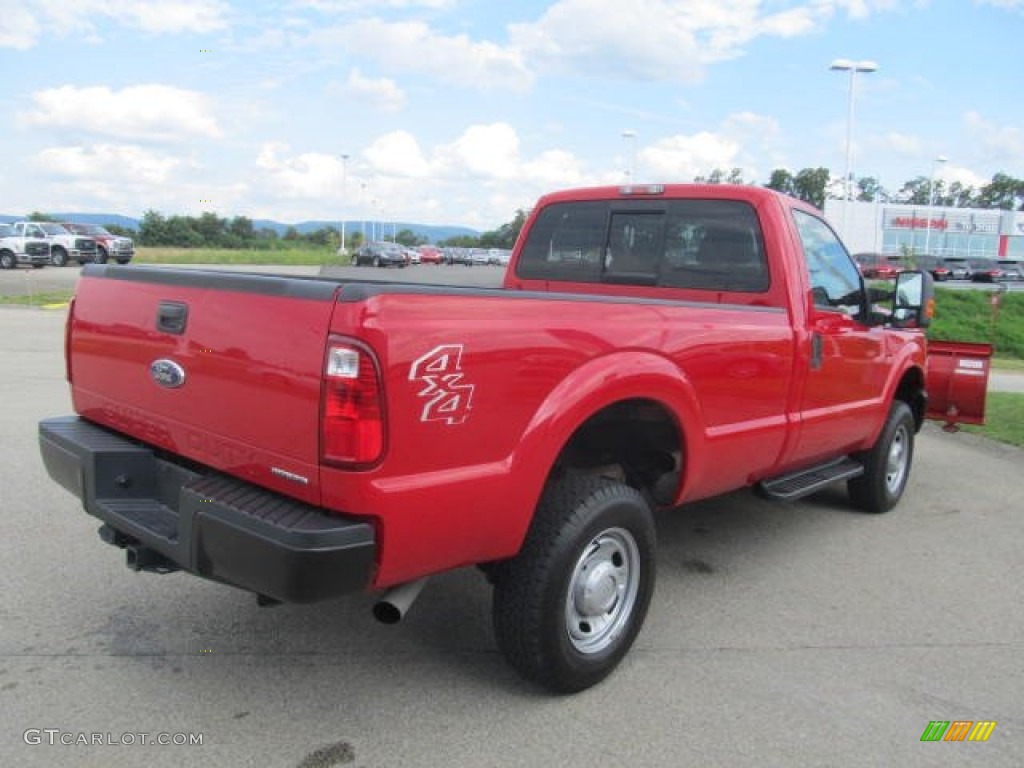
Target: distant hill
{"points": [[430, 232]]}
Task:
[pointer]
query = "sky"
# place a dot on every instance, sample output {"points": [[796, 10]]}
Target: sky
{"points": [[461, 112]]}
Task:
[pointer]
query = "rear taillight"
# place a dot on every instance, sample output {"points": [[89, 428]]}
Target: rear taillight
{"points": [[352, 410]]}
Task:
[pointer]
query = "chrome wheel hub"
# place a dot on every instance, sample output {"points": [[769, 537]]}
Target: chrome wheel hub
{"points": [[896, 462], [602, 590]]}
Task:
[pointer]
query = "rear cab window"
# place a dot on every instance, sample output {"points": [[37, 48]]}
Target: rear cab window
{"points": [[692, 244]]}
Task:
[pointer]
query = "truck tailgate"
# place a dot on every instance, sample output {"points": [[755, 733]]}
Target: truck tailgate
{"points": [[221, 368]]}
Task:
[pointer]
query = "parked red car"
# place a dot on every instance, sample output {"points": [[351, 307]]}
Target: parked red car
{"points": [[877, 266], [430, 254]]}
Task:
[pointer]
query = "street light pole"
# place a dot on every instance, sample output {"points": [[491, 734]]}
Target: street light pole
{"points": [[630, 135], [853, 67], [344, 202], [931, 202]]}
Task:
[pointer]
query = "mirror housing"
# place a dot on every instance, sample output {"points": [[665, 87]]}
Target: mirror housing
{"points": [[913, 301]]}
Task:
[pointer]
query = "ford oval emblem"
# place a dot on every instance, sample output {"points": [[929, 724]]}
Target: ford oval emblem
{"points": [[167, 373]]}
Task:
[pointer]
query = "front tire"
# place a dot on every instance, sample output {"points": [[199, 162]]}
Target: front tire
{"points": [[568, 607], [887, 464], [59, 257], [8, 260]]}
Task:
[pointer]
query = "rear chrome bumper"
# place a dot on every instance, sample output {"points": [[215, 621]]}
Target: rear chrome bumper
{"points": [[206, 523]]}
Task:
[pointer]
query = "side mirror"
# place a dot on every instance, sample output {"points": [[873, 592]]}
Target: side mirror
{"points": [[913, 300]]}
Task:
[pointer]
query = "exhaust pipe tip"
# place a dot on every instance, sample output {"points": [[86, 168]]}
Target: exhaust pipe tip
{"points": [[386, 612], [397, 601]]}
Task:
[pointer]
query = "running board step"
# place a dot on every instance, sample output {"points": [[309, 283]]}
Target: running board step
{"points": [[796, 485]]}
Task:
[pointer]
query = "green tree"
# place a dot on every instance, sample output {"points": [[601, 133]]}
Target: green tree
{"points": [[241, 227], [504, 236], [461, 241], [408, 238], [811, 185], [1003, 192], [179, 232], [37, 216], [782, 181], [291, 234], [153, 229], [916, 191], [210, 227], [869, 190], [959, 196]]}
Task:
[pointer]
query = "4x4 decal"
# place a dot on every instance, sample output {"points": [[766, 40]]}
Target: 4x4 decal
{"points": [[447, 397]]}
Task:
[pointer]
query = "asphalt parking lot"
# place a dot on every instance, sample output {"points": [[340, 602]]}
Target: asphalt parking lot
{"points": [[779, 635]]}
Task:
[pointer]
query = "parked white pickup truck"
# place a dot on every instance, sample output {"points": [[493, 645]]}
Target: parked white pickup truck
{"points": [[64, 245], [22, 249]]}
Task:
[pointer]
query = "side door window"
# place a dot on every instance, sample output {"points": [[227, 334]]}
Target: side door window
{"points": [[835, 281]]}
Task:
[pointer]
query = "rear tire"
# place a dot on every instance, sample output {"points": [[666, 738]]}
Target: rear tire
{"points": [[568, 607], [887, 464]]}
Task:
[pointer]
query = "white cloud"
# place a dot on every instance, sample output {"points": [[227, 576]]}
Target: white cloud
{"points": [[744, 140], [22, 22], [398, 154], [1002, 146], [1009, 5], [680, 158], [351, 6], [170, 16], [413, 47], [310, 175], [141, 112], [108, 163], [901, 143], [967, 177], [19, 28], [656, 39], [485, 150], [378, 93]]}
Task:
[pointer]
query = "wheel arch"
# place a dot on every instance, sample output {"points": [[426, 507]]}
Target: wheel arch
{"points": [[911, 389], [638, 405]]}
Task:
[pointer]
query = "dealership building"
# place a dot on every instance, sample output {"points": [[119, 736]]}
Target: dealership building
{"points": [[963, 232]]}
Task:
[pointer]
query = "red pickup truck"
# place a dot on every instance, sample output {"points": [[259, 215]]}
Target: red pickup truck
{"points": [[302, 438]]}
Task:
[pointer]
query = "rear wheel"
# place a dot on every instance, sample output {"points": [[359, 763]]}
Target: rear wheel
{"points": [[58, 256], [568, 607], [887, 464], [376, 261]]}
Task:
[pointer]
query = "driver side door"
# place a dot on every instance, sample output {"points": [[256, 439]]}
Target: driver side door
{"points": [[845, 383]]}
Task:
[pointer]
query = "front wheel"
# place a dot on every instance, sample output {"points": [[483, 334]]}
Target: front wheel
{"points": [[568, 607], [8, 260], [58, 257], [887, 463]]}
